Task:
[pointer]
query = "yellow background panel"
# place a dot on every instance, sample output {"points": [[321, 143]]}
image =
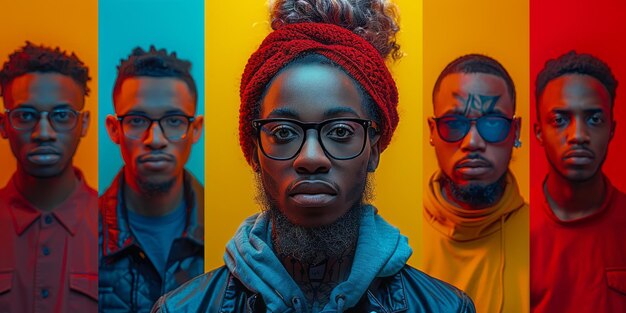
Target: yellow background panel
{"points": [[73, 26], [233, 32]]}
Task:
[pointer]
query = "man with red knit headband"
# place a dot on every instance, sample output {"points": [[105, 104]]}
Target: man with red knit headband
{"points": [[318, 106]]}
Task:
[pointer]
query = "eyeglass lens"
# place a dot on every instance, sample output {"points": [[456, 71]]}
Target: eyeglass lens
{"points": [[26, 119], [174, 127], [341, 139], [491, 128]]}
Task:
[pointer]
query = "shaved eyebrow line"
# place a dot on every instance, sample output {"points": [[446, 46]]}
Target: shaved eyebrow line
{"points": [[461, 111]]}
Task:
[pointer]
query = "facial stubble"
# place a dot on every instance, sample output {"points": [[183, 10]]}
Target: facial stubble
{"points": [[312, 245]]}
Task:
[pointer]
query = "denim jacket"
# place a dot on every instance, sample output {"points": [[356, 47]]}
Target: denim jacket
{"points": [[128, 281]]}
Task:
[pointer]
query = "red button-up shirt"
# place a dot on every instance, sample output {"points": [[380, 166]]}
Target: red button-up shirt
{"points": [[49, 260]]}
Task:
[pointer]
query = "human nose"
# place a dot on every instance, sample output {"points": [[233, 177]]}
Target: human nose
{"points": [[578, 132], [473, 141], [311, 158], [155, 138], [43, 130]]}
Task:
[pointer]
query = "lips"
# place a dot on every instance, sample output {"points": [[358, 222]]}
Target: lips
{"points": [[473, 167], [578, 157], [154, 158], [155, 162], [44, 156], [313, 193], [579, 153]]}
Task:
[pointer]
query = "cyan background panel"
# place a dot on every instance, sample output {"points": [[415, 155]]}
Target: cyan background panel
{"points": [[177, 25]]}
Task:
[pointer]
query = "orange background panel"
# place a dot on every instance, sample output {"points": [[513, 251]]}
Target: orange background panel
{"points": [[73, 26], [498, 29], [230, 187]]}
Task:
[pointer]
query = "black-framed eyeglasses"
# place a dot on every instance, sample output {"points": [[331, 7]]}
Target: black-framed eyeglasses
{"points": [[492, 128], [173, 126], [340, 138], [25, 119]]}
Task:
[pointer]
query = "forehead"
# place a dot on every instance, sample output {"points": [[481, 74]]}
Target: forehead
{"points": [[44, 91], [473, 94], [154, 96], [575, 92], [312, 92]]}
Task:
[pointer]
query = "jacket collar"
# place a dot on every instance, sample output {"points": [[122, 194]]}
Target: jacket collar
{"points": [[385, 294], [116, 230], [70, 213]]}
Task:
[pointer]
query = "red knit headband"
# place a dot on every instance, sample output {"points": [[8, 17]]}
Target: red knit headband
{"points": [[350, 51]]}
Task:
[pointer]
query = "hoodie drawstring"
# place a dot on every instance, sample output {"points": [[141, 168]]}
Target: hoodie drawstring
{"points": [[502, 262], [297, 305], [340, 303]]}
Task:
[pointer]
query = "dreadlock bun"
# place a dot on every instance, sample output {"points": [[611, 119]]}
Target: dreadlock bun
{"points": [[374, 20]]}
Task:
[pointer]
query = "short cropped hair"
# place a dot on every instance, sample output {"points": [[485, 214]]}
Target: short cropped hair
{"points": [[154, 63], [42, 59], [575, 63], [476, 63]]}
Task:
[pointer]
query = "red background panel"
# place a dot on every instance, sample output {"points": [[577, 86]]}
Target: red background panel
{"points": [[595, 27]]}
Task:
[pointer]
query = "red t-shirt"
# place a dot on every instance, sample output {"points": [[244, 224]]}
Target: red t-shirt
{"points": [[579, 265], [49, 260]]}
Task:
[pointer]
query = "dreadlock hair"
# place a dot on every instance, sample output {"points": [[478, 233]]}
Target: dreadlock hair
{"points": [[42, 59], [473, 64], [154, 63], [575, 63]]}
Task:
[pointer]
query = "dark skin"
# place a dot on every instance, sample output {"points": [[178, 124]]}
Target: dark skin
{"points": [[575, 127], [314, 93], [318, 280], [44, 175], [472, 160], [153, 157]]}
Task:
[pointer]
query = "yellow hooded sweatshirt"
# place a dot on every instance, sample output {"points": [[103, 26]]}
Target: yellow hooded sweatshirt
{"points": [[484, 252]]}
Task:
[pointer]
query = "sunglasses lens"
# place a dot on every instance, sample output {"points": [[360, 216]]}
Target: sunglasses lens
{"points": [[452, 128], [493, 128]]}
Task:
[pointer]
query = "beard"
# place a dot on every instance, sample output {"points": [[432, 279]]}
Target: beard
{"points": [[311, 245], [475, 194], [154, 189]]}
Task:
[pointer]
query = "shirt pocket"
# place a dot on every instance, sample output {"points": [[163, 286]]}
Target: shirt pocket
{"points": [[6, 284], [84, 292], [6, 281], [616, 279]]}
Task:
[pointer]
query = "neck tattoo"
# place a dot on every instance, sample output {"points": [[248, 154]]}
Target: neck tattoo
{"points": [[318, 280]]}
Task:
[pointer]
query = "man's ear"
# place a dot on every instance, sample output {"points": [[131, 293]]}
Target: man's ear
{"points": [[537, 129], [613, 129], [374, 158], [518, 127], [256, 165], [85, 123], [3, 122], [196, 127], [432, 126], [113, 128]]}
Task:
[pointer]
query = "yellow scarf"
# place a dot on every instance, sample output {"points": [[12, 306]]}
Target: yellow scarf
{"points": [[484, 251]]}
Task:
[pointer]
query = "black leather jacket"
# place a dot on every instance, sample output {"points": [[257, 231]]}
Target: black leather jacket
{"points": [[128, 281], [409, 290]]}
